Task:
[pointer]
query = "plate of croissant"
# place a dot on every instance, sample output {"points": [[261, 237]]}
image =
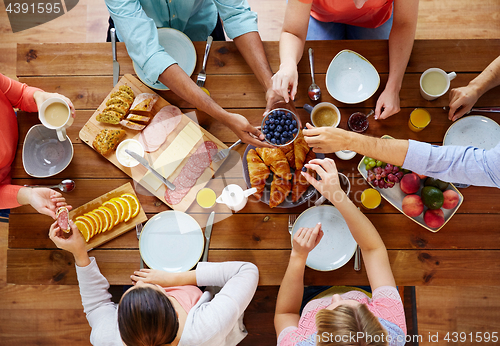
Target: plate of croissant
{"points": [[275, 172]]}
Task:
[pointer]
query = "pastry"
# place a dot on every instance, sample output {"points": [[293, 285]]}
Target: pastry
{"points": [[138, 118], [122, 94], [289, 154], [280, 188], [299, 183], [132, 125], [276, 161], [126, 89], [107, 140], [300, 149], [109, 117], [258, 172], [143, 103], [118, 108]]}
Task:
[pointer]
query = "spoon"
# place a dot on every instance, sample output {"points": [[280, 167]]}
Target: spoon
{"points": [[314, 91], [67, 185]]}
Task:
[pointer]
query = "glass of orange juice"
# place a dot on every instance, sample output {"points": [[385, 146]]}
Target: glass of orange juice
{"points": [[206, 197], [370, 198], [419, 119]]}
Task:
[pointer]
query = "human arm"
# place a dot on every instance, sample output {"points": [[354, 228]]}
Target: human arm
{"points": [[364, 233], [41, 96], [292, 285], [331, 139], [463, 99], [43, 200], [19, 95], [291, 47], [163, 278], [400, 45]]}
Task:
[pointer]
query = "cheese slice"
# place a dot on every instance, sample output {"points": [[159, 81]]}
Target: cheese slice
{"points": [[174, 154]]}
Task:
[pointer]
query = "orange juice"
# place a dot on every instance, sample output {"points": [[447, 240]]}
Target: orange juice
{"points": [[370, 198], [419, 119], [206, 197]]}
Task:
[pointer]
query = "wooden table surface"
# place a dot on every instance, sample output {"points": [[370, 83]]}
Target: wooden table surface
{"points": [[464, 252]]}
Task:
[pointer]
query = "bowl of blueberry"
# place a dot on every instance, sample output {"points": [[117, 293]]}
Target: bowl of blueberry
{"points": [[280, 126]]}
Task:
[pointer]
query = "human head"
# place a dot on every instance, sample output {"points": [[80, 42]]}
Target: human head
{"points": [[146, 317], [335, 327]]}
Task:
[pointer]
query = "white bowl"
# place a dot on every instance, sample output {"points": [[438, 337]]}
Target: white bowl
{"points": [[43, 154], [351, 78], [125, 159]]}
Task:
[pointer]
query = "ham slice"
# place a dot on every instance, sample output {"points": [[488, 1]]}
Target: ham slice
{"points": [[164, 122], [62, 216]]}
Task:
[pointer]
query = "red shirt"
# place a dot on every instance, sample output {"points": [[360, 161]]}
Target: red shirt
{"points": [[373, 14], [18, 95]]}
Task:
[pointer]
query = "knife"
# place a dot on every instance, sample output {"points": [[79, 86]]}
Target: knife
{"points": [[145, 163], [208, 233], [116, 64]]}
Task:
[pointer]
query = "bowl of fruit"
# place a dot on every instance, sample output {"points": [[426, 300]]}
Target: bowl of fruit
{"points": [[280, 126]]}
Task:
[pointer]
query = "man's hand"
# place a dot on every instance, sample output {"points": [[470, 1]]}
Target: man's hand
{"points": [[41, 96], [461, 101], [387, 105], [246, 132], [272, 97], [305, 240], [325, 139], [286, 78]]}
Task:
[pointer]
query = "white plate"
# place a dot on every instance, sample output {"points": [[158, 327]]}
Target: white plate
{"points": [[179, 47], [337, 245], [351, 78], [475, 130], [171, 241]]}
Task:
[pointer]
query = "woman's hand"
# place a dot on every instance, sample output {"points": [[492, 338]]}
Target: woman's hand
{"points": [[325, 139], [329, 185], [286, 78], [461, 101], [246, 132], [305, 240], [74, 243], [41, 96], [46, 201], [387, 104], [152, 276], [272, 97]]}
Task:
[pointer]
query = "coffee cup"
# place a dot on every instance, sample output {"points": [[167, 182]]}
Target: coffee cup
{"points": [[325, 114], [55, 114], [434, 83]]}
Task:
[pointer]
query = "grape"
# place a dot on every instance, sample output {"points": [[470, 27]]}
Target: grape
{"points": [[383, 174], [375, 182], [388, 166], [391, 177], [395, 169], [378, 176], [366, 160], [399, 175], [390, 184], [396, 180], [377, 170], [379, 163]]}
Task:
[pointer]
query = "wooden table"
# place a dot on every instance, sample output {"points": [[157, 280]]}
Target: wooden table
{"points": [[464, 252]]}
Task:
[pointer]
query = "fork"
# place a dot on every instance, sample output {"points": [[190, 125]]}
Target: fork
{"points": [[221, 155], [202, 76], [291, 221], [138, 231]]}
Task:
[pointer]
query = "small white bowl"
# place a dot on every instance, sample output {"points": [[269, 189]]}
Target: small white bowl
{"points": [[125, 159], [351, 78]]}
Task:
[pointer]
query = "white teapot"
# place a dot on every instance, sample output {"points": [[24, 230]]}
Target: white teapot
{"points": [[234, 197]]}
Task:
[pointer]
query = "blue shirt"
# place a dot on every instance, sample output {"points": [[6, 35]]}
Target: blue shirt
{"points": [[456, 164], [136, 23]]}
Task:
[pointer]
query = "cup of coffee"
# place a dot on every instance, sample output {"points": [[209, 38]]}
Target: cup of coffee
{"points": [[55, 114], [434, 83], [325, 114]]}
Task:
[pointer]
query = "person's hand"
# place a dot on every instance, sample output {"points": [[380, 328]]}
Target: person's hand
{"points": [[74, 243], [461, 101], [41, 96], [329, 185], [286, 78], [272, 97], [305, 240], [152, 276], [387, 105], [246, 132], [325, 139], [46, 201]]}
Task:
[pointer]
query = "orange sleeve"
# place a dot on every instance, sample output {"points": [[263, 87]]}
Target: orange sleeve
{"points": [[9, 196], [306, 1], [19, 95]]}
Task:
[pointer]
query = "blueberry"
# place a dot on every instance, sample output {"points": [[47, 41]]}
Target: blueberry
{"points": [[289, 116], [276, 134], [294, 122], [304, 169], [271, 120], [268, 136], [284, 133], [279, 128], [282, 122], [288, 121], [272, 127], [295, 130], [267, 122]]}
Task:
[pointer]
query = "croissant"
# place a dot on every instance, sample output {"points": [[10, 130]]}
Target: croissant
{"points": [[300, 149], [300, 184], [258, 172], [276, 161], [289, 154], [280, 188]]}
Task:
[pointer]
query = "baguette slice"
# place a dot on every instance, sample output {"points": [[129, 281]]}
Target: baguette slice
{"points": [[126, 89], [123, 95], [109, 117], [131, 125], [138, 118], [118, 108]]}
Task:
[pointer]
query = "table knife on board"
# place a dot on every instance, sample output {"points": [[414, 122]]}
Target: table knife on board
{"points": [[116, 64], [208, 233], [145, 163]]}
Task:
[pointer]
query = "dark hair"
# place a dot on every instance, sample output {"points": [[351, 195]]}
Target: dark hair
{"points": [[146, 317]]}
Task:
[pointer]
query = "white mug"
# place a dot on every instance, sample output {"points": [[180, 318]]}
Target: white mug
{"points": [[442, 83], [325, 105], [57, 117]]}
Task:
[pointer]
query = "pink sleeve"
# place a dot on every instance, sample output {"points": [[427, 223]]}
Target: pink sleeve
{"points": [[9, 196], [386, 303], [19, 95]]}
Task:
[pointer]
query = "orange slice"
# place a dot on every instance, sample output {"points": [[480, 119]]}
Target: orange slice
{"points": [[134, 202], [100, 219], [115, 209], [90, 224], [110, 215], [128, 208], [84, 230], [97, 222], [123, 204], [104, 218]]}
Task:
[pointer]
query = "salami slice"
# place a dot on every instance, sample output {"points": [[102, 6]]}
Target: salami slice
{"points": [[186, 182], [176, 196], [211, 148], [62, 216]]}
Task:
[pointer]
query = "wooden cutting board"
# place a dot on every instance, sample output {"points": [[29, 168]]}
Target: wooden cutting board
{"points": [[93, 127], [121, 227]]}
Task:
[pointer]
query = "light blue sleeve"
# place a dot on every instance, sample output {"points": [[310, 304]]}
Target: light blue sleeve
{"points": [[237, 17], [140, 35], [455, 164]]}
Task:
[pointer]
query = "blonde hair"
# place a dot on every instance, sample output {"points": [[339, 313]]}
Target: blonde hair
{"points": [[349, 325]]}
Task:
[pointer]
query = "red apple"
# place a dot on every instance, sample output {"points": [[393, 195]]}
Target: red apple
{"points": [[434, 218], [413, 205], [410, 183], [450, 199]]}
